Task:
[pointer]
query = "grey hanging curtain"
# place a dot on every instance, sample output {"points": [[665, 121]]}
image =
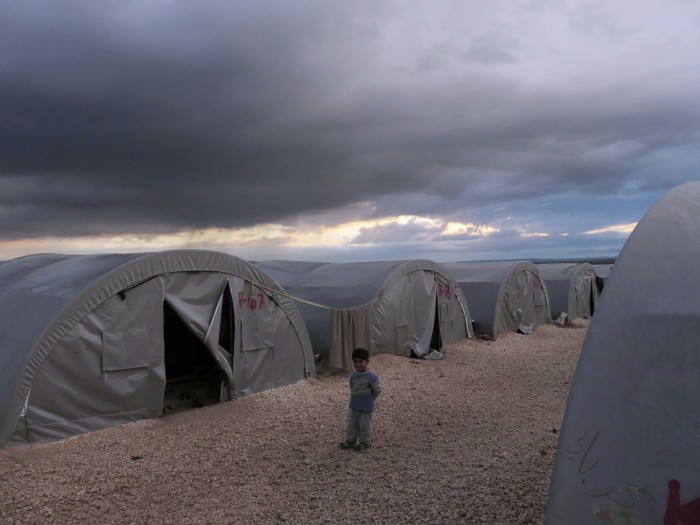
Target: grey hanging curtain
{"points": [[349, 329]]}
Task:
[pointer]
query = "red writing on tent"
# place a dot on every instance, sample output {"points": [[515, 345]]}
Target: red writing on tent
{"points": [[677, 514], [251, 301]]}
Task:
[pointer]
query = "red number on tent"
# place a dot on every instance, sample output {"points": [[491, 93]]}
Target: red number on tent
{"points": [[250, 300]]}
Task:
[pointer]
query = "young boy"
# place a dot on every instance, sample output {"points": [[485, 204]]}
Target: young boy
{"points": [[364, 389]]}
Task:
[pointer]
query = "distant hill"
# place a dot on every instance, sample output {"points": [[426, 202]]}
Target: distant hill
{"points": [[591, 260]]}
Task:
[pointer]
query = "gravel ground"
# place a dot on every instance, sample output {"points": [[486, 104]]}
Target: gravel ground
{"points": [[469, 439]]}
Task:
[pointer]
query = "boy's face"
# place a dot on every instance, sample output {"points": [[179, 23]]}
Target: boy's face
{"points": [[360, 365]]}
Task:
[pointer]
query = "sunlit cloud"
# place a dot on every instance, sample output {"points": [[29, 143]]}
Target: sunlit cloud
{"points": [[401, 228], [352, 232], [471, 229], [616, 228], [418, 228], [535, 234], [295, 238]]}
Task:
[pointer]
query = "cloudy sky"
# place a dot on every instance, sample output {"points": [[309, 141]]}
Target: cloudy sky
{"points": [[339, 131]]}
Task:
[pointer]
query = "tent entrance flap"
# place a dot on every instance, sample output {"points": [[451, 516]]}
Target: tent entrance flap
{"points": [[436, 338], [416, 299], [193, 377]]}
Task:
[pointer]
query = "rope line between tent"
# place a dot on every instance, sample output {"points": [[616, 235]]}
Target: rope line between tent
{"points": [[285, 294]]}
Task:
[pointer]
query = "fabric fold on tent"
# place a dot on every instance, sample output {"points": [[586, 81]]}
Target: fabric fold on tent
{"points": [[211, 340]]}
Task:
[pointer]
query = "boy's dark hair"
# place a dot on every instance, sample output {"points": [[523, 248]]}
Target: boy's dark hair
{"points": [[360, 353]]}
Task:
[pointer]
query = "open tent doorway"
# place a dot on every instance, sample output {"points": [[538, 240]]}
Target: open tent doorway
{"points": [[227, 331], [436, 338], [596, 290], [192, 376]]}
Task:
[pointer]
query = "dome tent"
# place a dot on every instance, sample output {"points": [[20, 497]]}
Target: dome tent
{"points": [[395, 307], [572, 288], [502, 295], [90, 341], [630, 438]]}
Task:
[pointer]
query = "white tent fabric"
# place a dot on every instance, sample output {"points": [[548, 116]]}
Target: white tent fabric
{"points": [[502, 295], [85, 340], [572, 288], [396, 307], [630, 442]]}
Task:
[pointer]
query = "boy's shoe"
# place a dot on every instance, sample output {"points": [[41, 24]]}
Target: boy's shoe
{"points": [[346, 444], [362, 446]]}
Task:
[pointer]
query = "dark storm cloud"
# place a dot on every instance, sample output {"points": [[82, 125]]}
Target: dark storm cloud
{"points": [[157, 116], [492, 48]]}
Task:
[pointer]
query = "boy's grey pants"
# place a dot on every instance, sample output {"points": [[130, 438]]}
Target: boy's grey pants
{"points": [[359, 425]]}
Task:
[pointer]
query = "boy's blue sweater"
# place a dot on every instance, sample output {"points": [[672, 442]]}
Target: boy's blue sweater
{"points": [[364, 389]]}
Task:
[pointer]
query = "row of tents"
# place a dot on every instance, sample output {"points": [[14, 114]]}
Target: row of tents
{"points": [[90, 341]]}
